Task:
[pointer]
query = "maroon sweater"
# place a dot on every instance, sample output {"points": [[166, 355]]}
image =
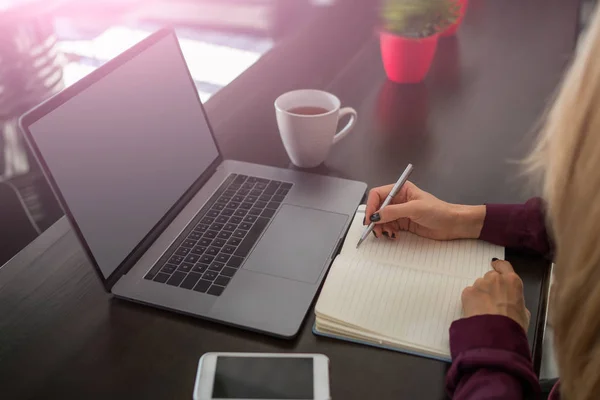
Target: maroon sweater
{"points": [[490, 353]]}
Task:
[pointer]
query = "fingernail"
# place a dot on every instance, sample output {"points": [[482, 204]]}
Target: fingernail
{"points": [[393, 236], [375, 217], [385, 234], [374, 234], [494, 259]]}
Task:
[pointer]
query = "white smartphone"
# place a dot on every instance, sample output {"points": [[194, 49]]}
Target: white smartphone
{"points": [[262, 376]]}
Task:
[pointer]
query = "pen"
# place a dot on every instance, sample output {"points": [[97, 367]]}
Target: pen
{"points": [[401, 181]]}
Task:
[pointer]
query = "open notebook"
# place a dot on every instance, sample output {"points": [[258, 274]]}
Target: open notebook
{"points": [[401, 294]]}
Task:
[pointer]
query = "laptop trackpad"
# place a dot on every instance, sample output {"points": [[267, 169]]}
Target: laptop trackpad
{"points": [[298, 243]]}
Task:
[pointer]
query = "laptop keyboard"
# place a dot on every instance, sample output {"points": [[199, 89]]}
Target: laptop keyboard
{"points": [[215, 244]]}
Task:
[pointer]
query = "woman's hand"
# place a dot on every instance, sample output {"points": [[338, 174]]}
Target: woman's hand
{"points": [[421, 213], [499, 292]]}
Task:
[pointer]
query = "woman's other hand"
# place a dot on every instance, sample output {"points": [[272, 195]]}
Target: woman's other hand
{"points": [[419, 212], [499, 292]]}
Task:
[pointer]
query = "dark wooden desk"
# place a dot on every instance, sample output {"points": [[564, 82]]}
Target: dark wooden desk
{"points": [[62, 336]]}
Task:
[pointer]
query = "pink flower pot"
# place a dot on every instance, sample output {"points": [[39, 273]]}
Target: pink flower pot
{"points": [[407, 60]]}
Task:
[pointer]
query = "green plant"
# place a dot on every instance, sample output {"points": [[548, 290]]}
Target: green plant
{"points": [[418, 18]]}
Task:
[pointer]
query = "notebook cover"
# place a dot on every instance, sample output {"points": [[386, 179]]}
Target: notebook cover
{"points": [[381, 346]]}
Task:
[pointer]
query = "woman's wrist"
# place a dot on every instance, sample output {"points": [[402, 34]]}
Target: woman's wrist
{"points": [[468, 220]]}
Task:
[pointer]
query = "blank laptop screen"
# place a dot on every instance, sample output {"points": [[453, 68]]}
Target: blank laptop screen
{"points": [[126, 148]]}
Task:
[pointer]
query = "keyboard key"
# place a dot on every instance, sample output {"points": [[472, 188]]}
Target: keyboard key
{"points": [[235, 262], [222, 280], [239, 234], [218, 206], [286, 185], [278, 198], [243, 192], [200, 268], [251, 179], [246, 206], [238, 198], [230, 227], [198, 250], [202, 286], [235, 220], [212, 213], [255, 192], [227, 212], [265, 198], [240, 179], [207, 220], [229, 193], [192, 258], [251, 199], [194, 235], [227, 271], [210, 275], [168, 268], [216, 290], [240, 212], [250, 218], [161, 278], [268, 213], [234, 241], [206, 259], [255, 211], [234, 186], [261, 186], [233, 205], [247, 185], [228, 249], [212, 251], [201, 228], [182, 251], [281, 192], [218, 242], [262, 180], [190, 281], [271, 188], [185, 267], [216, 226], [274, 205], [222, 219], [189, 243], [216, 266], [210, 234], [252, 236], [205, 242], [260, 204], [224, 199], [222, 257], [245, 226], [175, 259], [224, 235], [176, 278]]}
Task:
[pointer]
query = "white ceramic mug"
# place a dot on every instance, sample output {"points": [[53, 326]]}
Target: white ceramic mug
{"points": [[307, 138]]}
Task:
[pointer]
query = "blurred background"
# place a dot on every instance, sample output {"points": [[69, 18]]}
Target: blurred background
{"points": [[50, 44]]}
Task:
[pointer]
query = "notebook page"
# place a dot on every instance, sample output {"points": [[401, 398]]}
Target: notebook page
{"points": [[414, 307], [464, 258]]}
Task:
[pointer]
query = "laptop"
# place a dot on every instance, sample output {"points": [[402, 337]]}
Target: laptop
{"points": [[164, 219]]}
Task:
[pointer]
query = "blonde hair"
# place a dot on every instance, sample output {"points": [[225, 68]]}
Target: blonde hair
{"points": [[568, 156]]}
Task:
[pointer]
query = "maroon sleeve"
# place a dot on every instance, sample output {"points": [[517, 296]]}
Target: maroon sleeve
{"points": [[518, 225], [490, 360]]}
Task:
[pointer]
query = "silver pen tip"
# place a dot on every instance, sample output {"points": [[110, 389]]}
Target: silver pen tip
{"points": [[359, 242]]}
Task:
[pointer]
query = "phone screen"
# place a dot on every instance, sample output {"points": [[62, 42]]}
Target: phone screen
{"points": [[263, 378]]}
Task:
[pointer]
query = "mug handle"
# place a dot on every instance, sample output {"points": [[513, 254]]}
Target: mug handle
{"points": [[346, 130]]}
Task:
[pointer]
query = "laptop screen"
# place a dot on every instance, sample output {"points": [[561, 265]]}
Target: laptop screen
{"points": [[126, 148]]}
